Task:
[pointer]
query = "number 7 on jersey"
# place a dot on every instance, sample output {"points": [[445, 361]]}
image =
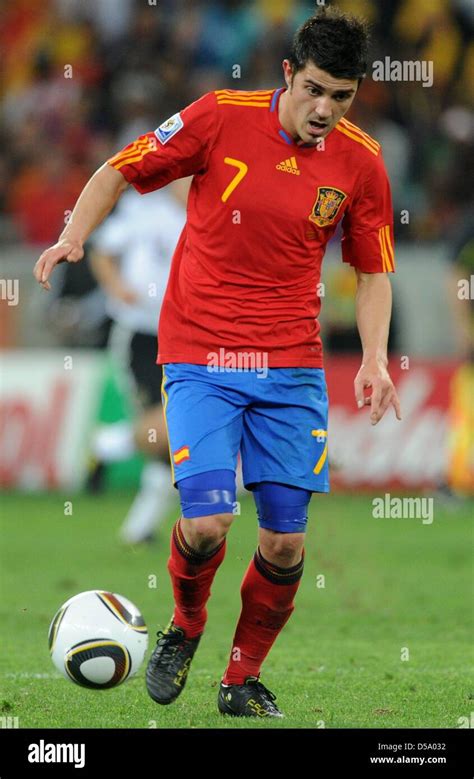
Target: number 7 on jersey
{"points": [[242, 171]]}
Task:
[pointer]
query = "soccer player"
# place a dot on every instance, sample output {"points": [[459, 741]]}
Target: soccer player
{"points": [[131, 255], [274, 172]]}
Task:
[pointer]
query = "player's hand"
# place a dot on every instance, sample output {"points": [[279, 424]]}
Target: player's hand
{"points": [[65, 250], [374, 375]]}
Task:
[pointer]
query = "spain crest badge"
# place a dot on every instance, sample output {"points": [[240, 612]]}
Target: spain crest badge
{"points": [[327, 205]]}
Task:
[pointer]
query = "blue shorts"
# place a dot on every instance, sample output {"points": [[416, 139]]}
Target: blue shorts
{"points": [[278, 422]]}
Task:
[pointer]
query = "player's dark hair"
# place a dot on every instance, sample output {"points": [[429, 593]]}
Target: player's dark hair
{"points": [[335, 42]]}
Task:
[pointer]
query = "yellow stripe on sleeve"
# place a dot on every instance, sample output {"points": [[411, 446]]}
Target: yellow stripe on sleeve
{"points": [[357, 131], [382, 250], [358, 139], [391, 257], [242, 102], [136, 148]]}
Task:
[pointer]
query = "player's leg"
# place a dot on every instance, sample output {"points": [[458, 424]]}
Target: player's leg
{"points": [[284, 453], [156, 494], [197, 549], [198, 544], [150, 433], [139, 379], [204, 429], [268, 591]]}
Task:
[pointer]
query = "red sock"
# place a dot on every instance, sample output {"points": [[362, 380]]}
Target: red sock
{"points": [[191, 575], [267, 603]]}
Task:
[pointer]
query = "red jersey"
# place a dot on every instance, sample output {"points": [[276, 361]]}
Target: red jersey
{"points": [[261, 209]]}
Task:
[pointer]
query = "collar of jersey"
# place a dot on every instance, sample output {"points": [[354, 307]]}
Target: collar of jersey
{"points": [[275, 101]]}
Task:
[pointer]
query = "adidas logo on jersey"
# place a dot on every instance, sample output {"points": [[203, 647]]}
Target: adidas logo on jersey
{"points": [[289, 166]]}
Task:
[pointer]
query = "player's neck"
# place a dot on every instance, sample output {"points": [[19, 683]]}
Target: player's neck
{"points": [[285, 119], [283, 116]]}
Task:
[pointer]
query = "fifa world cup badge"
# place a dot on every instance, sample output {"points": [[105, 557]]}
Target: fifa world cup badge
{"points": [[169, 128]]}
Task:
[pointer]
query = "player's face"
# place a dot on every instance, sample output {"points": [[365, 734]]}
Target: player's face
{"points": [[314, 102]]}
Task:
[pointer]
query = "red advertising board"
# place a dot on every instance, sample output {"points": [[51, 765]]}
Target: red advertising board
{"points": [[409, 454], [47, 414], [48, 405]]}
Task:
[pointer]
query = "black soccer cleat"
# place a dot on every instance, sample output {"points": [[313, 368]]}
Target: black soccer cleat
{"points": [[95, 479], [168, 666], [251, 699]]}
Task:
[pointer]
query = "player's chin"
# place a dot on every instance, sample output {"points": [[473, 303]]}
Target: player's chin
{"points": [[315, 137]]}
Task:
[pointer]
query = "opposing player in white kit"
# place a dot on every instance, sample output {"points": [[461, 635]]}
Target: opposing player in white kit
{"points": [[131, 256]]}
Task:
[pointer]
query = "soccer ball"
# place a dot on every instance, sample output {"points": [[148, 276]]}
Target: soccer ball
{"points": [[98, 639]]}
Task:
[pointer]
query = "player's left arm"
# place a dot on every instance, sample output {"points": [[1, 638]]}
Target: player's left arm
{"points": [[367, 245], [373, 312]]}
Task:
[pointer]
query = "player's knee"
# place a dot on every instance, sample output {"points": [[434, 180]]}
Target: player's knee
{"points": [[282, 549], [207, 502], [205, 533], [207, 494], [281, 507]]}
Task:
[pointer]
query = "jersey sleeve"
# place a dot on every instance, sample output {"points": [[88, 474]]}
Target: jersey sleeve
{"points": [[179, 147], [367, 242]]}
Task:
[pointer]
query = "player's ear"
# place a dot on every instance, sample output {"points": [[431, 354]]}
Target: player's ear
{"points": [[288, 73]]}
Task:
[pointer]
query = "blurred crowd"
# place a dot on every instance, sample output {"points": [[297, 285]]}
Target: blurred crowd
{"points": [[81, 78]]}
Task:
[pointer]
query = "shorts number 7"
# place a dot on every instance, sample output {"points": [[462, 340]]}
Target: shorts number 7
{"points": [[237, 178]]}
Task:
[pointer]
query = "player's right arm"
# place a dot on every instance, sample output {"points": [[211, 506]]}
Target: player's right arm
{"points": [[95, 201], [178, 148]]}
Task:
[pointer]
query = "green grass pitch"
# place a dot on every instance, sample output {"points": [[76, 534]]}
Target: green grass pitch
{"points": [[390, 584]]}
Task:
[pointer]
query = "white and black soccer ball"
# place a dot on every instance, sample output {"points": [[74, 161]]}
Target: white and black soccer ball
{"points": [[98, 639]]}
